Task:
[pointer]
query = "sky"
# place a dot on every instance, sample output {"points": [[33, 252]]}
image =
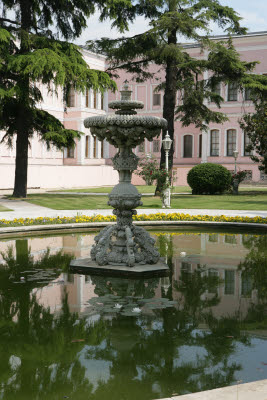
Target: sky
{"points": [[253, 12]]}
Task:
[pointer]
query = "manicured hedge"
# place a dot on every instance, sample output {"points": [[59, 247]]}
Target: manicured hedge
{"points": [[209, 178]]}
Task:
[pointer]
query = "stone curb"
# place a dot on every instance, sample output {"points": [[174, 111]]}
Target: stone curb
{"points": [[94, 225], [256, 390]]}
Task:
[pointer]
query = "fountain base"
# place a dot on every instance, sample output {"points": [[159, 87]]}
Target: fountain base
{"points": [[88, 266]]}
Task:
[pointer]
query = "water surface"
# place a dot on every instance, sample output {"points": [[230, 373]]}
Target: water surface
{"points": [[83, 337]]}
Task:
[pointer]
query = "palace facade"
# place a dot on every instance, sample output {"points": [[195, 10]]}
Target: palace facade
{"points": [[89, 163]]}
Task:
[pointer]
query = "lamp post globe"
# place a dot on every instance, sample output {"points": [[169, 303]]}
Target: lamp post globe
{"points": [[235, 153], [167, 142]]}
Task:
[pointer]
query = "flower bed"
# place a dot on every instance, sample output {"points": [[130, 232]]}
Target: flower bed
{"points": [[141, 217]]}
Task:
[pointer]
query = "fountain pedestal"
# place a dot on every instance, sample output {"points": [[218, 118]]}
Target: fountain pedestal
{"points": [[124, 248], [88, 266]]}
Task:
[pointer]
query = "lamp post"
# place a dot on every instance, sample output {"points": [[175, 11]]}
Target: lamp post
{"points": [[235, 152], [166, 199], [235, 180]]}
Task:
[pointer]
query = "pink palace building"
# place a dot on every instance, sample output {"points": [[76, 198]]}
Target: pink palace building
{"points": [[89, 163]]}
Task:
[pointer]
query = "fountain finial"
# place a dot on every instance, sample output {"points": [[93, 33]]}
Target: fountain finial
{"points": [[126, 94]]}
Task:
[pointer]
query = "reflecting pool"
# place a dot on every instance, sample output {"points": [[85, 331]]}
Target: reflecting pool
{"points": [[80, 337]]}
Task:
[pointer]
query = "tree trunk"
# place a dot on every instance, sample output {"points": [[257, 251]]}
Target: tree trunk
{"points": [[169, 98], [21, 170], [24, 125]]}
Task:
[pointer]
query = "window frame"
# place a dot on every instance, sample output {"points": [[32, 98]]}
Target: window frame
{"points": [[71, 99], [192, 145], [158, 96], [95, 145], [141, 147], [246, 142], [230, 153], [158, 144], [70, 152], [213, 148], [232, 92], [87, 98], [87, 146], [200, 139], [230, 284], [95, 99], [247, 94]]}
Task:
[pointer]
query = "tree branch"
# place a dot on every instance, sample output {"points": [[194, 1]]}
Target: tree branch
{"points": [[134, 63], [9, 20]]}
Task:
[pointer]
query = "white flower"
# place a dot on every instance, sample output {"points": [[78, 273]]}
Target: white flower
{"points": [[117, 305], [183, 254], [136, 309], [22, 278]]}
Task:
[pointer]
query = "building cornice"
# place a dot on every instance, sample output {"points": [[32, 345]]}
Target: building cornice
{"points": [[221, 37]]}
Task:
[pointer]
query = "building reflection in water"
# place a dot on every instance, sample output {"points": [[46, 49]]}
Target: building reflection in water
{"points": [[216, 254]]}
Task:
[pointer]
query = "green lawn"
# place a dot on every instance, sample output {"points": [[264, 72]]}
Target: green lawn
{"points": [[254, 200], [151, 189], [2, 208], [142, 189], [68, 201], [250, 189]]}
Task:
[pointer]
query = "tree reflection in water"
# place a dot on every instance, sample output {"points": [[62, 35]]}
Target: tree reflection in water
{"points": [[254, 281], [37, 356], [165, 349]]}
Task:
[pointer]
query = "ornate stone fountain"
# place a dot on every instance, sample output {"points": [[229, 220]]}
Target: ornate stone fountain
{"points": [[124, 246]]}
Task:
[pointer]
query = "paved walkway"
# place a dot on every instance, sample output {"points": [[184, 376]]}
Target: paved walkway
{"points": [[247, 391], [22, 209]]}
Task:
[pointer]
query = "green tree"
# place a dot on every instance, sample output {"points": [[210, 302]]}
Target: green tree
{"points": [[31, 55], [254, 124], [171, 22]]}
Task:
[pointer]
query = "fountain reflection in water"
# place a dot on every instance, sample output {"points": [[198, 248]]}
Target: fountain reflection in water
{"points": [[124, 247]]}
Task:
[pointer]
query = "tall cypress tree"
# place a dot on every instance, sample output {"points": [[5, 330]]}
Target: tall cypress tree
{"points": [[31, 54], [171, 22], [254, 125]]}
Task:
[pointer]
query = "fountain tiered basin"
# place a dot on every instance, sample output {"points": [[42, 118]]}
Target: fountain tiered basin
{"points": [[124, 247]]}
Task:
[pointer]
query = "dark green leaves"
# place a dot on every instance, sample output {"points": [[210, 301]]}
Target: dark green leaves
{"points": [[254, 124]]}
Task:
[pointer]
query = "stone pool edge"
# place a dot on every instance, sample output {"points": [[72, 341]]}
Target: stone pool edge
{"points": [[82, 226], [256, 390]]}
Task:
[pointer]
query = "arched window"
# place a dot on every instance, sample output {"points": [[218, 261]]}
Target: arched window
{"points": [[87, 146], [200, 146], [95, 147], [71, 98], [231, 142], [188, 146], [87, 98], [95, 99], [214, 143]]}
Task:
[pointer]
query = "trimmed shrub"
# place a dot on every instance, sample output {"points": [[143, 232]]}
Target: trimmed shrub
{"points": [[209, 178]]}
